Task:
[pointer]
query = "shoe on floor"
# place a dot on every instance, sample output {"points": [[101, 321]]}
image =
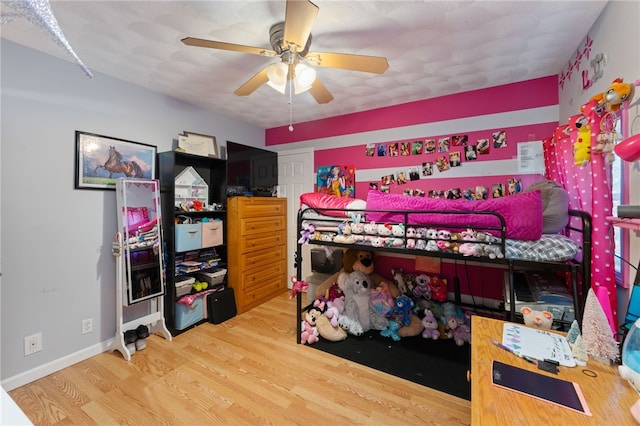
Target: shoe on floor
{"points": [[142, 332], [141, 344]]}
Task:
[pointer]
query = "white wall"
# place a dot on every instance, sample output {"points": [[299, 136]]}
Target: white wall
{"points": [[616, 33], [57, 267]]}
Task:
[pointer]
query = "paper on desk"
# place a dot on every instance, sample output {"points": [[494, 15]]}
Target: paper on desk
{"points": [[537, 343]]}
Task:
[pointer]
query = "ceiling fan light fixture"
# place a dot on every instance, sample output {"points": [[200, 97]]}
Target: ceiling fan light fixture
{"points": [[277, 73], [304, 78]]}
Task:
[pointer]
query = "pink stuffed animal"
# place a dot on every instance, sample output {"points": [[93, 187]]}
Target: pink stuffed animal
{"points": [[458, 330], [430, 324], [334, 310], [310, 333]]}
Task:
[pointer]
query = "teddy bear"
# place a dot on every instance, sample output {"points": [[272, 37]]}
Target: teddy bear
{"points": [[539, 319], [423, 287], [359, 315], [438, 289], [458, 330], [430, 323], [432, 235], [400, 316]]}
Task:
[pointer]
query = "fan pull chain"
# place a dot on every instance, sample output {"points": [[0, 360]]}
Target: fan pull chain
{"points": [[290, 105]]}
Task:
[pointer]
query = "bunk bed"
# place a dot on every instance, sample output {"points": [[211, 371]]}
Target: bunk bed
{"points": [[506, 231]]}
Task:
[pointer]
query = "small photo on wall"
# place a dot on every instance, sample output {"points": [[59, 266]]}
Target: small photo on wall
{"points": [[416, 148], [413, 174], [382, 150], [459, 140], [405, 148], [454, 159], [497, 190], [442, 163], [499, 139], [429, 146], [388, 179], [470, 153], [427, 168], [373, 185], [468, 194], [384, 189], [514, 186], [454, 194], [418, 192], [402, 178], [408, 192], [480, 193], [443, 145], [370, 149], [393, 149], [484, 147]]}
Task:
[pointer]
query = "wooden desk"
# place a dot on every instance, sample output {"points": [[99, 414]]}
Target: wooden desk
{"points": [[608, 396]]}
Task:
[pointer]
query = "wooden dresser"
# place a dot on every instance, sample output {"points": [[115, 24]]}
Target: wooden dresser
{"points": [[257, 249]]}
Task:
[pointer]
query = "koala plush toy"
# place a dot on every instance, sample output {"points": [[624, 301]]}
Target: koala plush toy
{"points": [[359, 314]]}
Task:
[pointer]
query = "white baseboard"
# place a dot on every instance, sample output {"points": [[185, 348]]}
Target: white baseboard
{"points": [[56, 365]]}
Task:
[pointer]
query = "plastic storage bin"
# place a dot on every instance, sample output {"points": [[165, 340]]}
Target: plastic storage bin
{"points": [[189, 315], [184, 285], [188, 236], [212, 233], [213, 277]]}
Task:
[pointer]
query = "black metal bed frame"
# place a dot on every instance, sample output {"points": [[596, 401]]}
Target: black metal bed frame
{"points": [[579, 268]]}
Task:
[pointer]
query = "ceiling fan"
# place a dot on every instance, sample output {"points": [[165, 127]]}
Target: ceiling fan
{"points": [[291, 40]]}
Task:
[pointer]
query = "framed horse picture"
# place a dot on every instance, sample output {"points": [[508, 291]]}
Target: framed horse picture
{"points": [[100, 160]]}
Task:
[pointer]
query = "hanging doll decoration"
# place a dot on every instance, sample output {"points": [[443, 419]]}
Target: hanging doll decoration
{"points": [[582, 144], [605, 106]]}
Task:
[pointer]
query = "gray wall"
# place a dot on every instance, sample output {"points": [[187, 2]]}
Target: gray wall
{"points": [[55, 241]]}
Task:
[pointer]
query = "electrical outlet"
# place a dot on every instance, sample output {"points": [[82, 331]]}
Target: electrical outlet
{"points": [[87, 325], [32, 344]]}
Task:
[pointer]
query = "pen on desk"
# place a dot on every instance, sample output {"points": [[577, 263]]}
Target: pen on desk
{"points": [[508, 349]]}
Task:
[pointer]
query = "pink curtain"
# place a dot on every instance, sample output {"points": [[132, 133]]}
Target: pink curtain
{"points": [[589, 187]]}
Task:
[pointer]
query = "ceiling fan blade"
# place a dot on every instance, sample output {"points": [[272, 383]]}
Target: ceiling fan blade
{"points": [[299, 18], [374, 64], [253, 83], [320, 93], [199, 42]]}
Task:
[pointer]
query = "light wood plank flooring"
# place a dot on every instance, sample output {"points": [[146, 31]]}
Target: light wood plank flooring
{"points": [[247, 370]]}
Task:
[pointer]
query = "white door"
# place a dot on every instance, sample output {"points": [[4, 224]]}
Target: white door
{"points": [[295, 177]]}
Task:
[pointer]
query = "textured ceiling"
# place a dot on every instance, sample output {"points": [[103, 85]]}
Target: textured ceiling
{"points": [[434, 48]]}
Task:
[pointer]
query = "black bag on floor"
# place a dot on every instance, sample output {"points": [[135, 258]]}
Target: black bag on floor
{"points": [[221, 305]]}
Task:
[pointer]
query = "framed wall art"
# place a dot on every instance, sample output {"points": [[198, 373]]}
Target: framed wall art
{"points": [[100, 160]]}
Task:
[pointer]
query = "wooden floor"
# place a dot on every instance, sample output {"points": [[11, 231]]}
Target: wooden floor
{"points": [[248, 370]]}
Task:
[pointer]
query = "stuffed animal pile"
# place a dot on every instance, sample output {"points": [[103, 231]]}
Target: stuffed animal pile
{"points": [[356, 300]]}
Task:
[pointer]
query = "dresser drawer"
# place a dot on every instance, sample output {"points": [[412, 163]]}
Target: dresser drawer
{"points": [[262, 258], [258, 277], [267, 288], [256, 207], [257, 225], [261, 242]]}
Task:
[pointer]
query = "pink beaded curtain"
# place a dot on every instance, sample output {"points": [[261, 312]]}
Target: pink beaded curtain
{"points": [[589, 188]]}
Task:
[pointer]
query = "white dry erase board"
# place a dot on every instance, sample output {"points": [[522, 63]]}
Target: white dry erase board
{"points": [[537, 343]]}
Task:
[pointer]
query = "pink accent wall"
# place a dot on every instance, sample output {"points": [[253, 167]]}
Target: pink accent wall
{"points": [[509, 97]]}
